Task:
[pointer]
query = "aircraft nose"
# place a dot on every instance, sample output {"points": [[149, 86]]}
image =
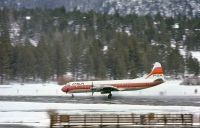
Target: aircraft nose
{"points": [[65, 89]]}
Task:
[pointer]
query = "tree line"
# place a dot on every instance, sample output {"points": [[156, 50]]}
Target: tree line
{"points": [[91, 45]]}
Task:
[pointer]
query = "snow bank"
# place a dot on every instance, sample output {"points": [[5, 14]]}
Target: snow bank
{"points": [[16, 89]]}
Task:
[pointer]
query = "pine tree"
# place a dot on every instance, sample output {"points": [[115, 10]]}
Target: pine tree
{"points": [[44, 69], [88, 63], [75, 57], [26, 61], [116, 58], [192, 65], [175, 63], [60, 59], [98, 59], [5, 45]]}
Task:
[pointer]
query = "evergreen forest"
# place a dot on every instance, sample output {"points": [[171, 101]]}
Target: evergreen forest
{"points": [[44, 44]]}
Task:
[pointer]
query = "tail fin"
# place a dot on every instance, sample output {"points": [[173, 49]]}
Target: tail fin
{"points": [[156, 73]]}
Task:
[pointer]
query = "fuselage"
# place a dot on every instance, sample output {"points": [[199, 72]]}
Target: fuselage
{"points": [[155, 77], [115, 85]]}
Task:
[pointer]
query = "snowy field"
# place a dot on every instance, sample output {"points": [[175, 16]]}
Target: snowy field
{"points": [[28, 104]]}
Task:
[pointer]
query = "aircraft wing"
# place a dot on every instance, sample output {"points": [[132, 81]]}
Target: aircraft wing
{"points": [[108, 89]]}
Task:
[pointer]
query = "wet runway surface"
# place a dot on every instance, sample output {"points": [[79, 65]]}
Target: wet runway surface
{"points": [[133, 100], [36, 113], [14, 126]]}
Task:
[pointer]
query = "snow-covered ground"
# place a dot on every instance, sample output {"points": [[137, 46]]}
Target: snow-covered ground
{"points": [[40, 89], [35, 114], [169, 88], [195, 54]]}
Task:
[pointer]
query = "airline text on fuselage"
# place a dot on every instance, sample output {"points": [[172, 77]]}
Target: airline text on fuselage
{"points": [[77, 83]]}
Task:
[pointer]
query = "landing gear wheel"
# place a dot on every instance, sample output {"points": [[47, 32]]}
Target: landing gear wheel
{"points": [[72, 95], [109, 96]]}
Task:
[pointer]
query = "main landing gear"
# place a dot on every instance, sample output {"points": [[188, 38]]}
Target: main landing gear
{"points": [[109, 95], [72, 95]]}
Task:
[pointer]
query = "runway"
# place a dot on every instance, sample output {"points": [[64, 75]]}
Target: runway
{"points": [[32, 110], [130, 100]]}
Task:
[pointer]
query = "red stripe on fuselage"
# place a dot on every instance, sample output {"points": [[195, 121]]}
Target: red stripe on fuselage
{"points": [[131, 85], [125, 86], [80, 87]]}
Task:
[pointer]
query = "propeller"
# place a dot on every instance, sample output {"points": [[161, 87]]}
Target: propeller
{"points": [[92, 88]]}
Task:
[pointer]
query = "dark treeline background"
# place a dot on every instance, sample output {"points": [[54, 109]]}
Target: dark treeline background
{"points": [[40, 44]]}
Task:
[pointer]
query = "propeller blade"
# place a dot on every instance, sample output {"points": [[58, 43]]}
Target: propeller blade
{"points": [[92, 88]]}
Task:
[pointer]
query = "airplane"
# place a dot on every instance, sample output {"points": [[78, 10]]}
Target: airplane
{"points": [[155, 77]]}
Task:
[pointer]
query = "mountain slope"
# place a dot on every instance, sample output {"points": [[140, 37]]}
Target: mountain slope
{"points": [[190, 8]]}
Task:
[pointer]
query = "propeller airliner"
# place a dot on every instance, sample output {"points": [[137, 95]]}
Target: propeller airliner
{"points": [[154, 78]]}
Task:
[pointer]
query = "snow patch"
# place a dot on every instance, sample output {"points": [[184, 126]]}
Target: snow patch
{"points": [[176, 26], [105, 48], [28, 17], [33, 42], [196, 54]]}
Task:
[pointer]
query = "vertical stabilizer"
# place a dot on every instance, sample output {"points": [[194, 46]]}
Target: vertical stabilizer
{"points": [[156, 72]]}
